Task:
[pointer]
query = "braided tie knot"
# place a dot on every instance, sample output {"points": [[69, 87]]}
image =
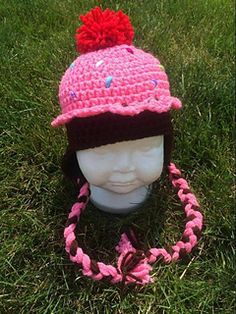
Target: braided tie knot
{"points": [[134, 267]]}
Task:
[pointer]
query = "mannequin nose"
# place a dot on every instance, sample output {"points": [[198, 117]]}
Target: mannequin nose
{"points": [[124, 162]]}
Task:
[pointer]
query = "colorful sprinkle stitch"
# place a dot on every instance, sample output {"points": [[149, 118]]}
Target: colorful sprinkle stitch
{"points": [[161, 67], [154, 82], [100, 62], [130, 50], [72, 65], [72, 94], [108, 81]]}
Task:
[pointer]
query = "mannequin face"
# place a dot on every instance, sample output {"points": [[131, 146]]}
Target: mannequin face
{"points": [[125, 166]]}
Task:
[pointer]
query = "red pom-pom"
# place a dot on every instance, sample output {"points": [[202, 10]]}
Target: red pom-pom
{"points": [[102, 29]]}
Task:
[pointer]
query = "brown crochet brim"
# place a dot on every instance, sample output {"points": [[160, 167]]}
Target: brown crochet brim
{"points": [[109, 128]]}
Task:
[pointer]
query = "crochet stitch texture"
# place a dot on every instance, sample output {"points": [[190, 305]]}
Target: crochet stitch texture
{"points": [[122, 80]]}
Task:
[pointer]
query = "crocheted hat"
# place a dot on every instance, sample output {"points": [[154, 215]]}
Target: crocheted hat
{"points": [[116, 88], [112, 75]]}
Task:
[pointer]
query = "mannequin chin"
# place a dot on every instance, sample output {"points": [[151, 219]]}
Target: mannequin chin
{"points": [[121, 174]]}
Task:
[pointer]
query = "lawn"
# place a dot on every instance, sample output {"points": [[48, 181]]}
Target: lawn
{"points": [[194, 41]]}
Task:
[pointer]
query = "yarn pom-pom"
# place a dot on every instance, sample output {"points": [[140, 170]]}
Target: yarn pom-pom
{"points": [[102, 29]]}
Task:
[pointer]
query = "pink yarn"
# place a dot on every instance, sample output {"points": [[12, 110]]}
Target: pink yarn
{"points": [[114, 80], [124, 244], [134, 266]]}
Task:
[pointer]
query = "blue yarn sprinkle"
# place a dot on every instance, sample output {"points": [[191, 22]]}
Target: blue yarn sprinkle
{"points": [[108, 81], [72, 65], [154, 82]]}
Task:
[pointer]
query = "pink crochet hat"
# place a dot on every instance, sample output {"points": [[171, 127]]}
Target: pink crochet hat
{"points": [[117, 77]]}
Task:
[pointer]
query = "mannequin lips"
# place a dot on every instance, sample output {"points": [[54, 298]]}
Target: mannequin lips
{"points": [[122, 183]]}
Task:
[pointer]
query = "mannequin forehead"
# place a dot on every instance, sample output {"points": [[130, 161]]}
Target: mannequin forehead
{"points": [[132, 144]]}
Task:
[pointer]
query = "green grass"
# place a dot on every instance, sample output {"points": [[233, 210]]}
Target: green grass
{"points": [[194, 40]]}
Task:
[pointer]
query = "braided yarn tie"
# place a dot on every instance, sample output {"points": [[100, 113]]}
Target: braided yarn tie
{"points": [[133, 266]]}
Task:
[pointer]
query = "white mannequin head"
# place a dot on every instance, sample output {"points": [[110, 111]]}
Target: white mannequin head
{"points": [[124, 166]]}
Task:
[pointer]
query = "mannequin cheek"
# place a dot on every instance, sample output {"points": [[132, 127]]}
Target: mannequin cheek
{"points": [[94, 169], [151, 170], [97, 177]]}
